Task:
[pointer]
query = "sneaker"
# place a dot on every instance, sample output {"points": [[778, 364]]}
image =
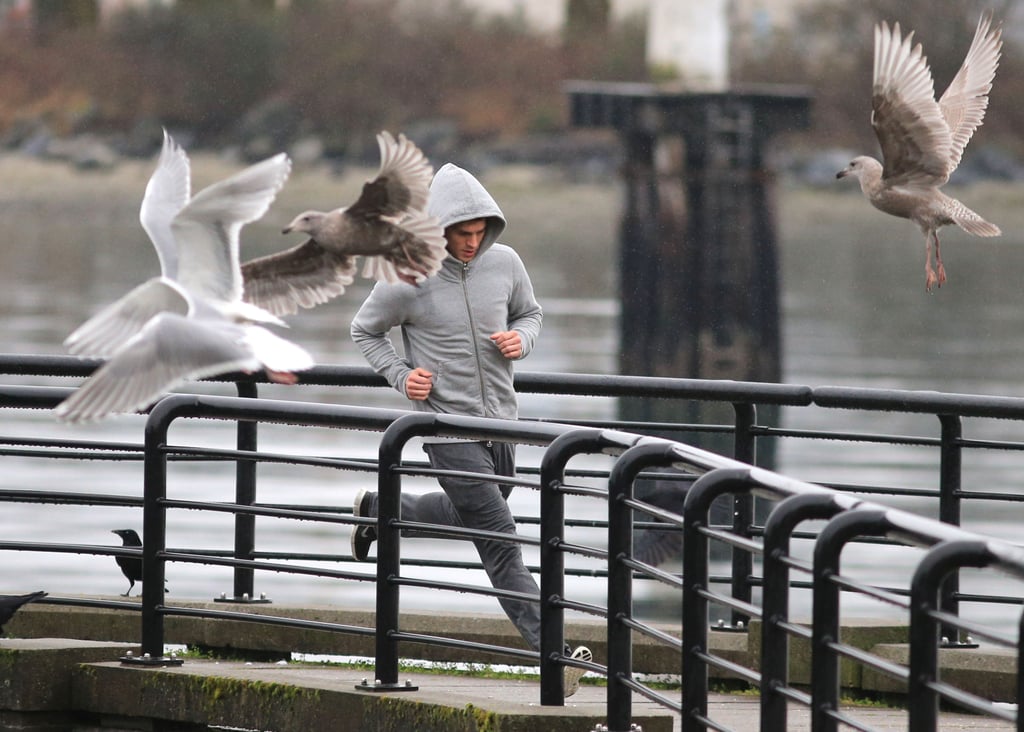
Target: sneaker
{"points": [[363, 535], [571, 674]]}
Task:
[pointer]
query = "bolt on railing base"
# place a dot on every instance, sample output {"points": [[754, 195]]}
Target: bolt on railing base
{"points": [[377, 685], [147, 659], [634, 727]]}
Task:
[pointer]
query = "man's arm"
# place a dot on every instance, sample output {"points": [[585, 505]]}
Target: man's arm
{"points": [[525, 315], [369, 330]]}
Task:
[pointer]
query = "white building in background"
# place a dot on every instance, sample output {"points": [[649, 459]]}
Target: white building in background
{"points": [[689, 42], [760, 16]]}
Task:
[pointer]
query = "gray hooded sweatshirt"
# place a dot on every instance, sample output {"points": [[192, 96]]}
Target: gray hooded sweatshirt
{"points": [[447, 321]]}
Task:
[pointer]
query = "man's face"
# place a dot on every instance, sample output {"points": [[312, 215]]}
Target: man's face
{"points": [[464, 238]]}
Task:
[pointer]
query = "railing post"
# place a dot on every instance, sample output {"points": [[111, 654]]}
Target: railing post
{"points": [[940, 561], [775, 598], [154, 536], [620, 575], [245, 495], [552, 559], [742, 564], [389, 512], [825, 621], [950, 474], [1020, 671], [696, 578]]}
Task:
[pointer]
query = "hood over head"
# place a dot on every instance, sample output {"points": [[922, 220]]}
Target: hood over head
{"points": [[456, 196]]}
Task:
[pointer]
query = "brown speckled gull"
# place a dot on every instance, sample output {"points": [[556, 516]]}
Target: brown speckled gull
{"points": [[923, 139], [387, 225]]}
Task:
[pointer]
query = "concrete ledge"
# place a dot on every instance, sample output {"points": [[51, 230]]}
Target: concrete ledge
{"points": [[989, 673], [862, 633], [239, 637], [296, 697], [35, 675]]}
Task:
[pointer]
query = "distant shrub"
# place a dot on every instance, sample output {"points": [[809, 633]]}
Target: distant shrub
{"points": [[347, 67]]}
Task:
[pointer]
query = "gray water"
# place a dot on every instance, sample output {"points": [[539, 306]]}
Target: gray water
{"points": [[854, 313]]}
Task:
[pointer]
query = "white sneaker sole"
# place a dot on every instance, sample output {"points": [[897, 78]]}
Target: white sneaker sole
{"points": [[571, 675]]}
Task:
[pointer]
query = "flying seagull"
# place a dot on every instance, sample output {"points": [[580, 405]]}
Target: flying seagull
{"points": [[922, 139], [387, 225], [189, 323], [9, 604]]}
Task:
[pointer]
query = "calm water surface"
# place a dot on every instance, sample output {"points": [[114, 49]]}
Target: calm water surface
{"points": [[854, 313]]}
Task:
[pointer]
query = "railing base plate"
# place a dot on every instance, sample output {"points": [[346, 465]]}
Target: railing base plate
{"points": [[378, 686], [148, 660]]}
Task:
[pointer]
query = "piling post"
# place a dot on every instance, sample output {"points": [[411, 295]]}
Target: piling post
{"points": [[699, 274]]}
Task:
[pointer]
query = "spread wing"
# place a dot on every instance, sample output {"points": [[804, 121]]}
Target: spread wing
{"points": [[115, 324], [401, 185], [916, 142], [169, 350], [303, 276], [964, 102], [207, 228], [167, 192]]}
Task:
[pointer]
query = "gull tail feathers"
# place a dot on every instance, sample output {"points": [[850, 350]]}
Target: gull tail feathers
{"points": [[426, 248], [972, 223]]}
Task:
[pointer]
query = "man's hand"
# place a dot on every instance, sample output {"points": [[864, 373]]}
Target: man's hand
{"points": [[509, 343], [418, 384]]}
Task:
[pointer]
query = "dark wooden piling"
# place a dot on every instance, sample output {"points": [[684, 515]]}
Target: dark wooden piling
{"points": [[699, 276]]}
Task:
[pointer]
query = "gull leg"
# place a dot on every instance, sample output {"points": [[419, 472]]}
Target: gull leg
{"points": [[282, 377], [938, 260], [929, 274]]}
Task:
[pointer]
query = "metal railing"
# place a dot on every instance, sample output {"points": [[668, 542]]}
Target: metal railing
{"points": [[931, 602]]}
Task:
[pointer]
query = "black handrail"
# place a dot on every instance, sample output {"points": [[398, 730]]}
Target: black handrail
{"points": [[933, 605]]}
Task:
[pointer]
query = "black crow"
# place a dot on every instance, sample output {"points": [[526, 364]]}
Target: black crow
{"points": [[9, 605], [131, 566]]}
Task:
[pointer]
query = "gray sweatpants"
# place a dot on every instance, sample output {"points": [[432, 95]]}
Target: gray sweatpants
{"points": [[480, 504]]}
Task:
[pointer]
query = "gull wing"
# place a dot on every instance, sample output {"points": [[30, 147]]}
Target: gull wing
{"points": [[115, 324], [401, 185], [167, 192], [965, 100], [171, 349], [207, 228], [915, 139], [303, 276]]}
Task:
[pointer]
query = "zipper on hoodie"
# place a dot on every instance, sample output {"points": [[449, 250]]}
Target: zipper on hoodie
{"points": [[472, 337]]}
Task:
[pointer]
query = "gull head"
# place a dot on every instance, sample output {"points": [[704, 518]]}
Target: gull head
{"points": [[860, 167], [308, 222]]}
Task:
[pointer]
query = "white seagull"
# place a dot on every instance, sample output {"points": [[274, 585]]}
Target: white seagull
{"points": [[191, 322], [923, 139], [387, 224]]}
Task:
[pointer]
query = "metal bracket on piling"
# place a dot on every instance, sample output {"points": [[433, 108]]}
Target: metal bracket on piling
{"points": [[633, 727], [147, 659], [968, 643], [377, 685], [244, 599]]}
